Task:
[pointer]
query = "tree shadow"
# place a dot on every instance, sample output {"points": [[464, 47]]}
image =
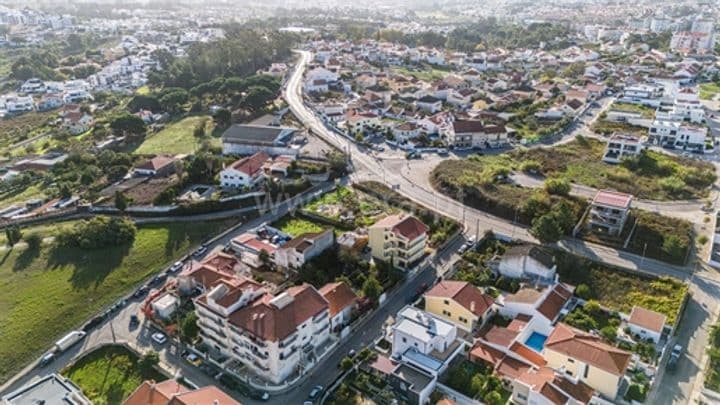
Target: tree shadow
{"points": [[176, 239], [5, 256], [25, 258], [91, 267]]}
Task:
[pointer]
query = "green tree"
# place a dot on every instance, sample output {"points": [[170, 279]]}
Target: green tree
{"points": [[34, 240], [13, 234], [557, 186], [583, 291], [493, 398], [189, 329], [674, 247], [148, 362], [128, 125], [222, 118], [199, 130], [546, 229], [174, 101], [257, 97], [372, 288], [346, 363], [121, 201]]}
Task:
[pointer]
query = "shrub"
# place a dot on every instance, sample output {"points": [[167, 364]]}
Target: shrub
{"points": [[530, 166], [546, 229], [583, 291], [98, 232], [672, 184], [557, 186], [34, 240], [703, 239]]}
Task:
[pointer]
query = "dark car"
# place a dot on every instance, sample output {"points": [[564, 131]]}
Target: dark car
{"points": [[141, 292], [672, 364], [134, 320], [421, 289], [47, 359], [160, 278]]}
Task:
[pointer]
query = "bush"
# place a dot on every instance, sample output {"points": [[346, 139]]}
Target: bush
{"points": [[530, 166], [636, 392], [583, 291], [98, 232], [557, 186], [546, 229], [34, 240]]}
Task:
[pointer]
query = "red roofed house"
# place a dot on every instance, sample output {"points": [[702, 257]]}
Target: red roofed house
{"points": [[609, 211], [460, 303], [157, 166], [245, 172], [270, 334], [170, 392], [646, 323], [399, 239], [250, 246], [342, 301], [586, 357], [541, 304], [545, 386]]}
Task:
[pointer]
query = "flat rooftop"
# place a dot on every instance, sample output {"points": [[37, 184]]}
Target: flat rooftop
{"points": [[416, 378], [257, 134], [52, 389]]}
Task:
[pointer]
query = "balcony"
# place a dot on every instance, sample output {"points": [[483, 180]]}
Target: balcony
{"points": [[289, 341], [321, 317]]}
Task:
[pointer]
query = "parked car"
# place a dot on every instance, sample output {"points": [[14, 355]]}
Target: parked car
{"points": [[159, 338], [93, 323], [201, 251], [141, 292], [352, 353], [672, 364], [676, 351], [47, 359], [175, 267], [134, 320], [193, 359], [159, 279]]}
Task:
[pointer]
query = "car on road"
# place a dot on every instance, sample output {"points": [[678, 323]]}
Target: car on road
{"points": [[93, 323], [158, 338], [676, 351], [201, 251], [47, 359], [192, 358], [671, 366], [134, 320], [315, 392], [352, 353], [141, 292], [422, 288], [159, 279], [175, 267]]}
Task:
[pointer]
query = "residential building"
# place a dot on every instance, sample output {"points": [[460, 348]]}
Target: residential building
{"points": [[675, 134], [621, 146], [609, 211], [171, 392], [406, 130], [462, 134], [52, 389], [429, 104], [33, 86], [460, 303], [424, 340], [584, 356], [399, 239], [164, 306], [646, 324], [77, 122], [270, 334], [342, 303], [246, 172], [691, 42], [413, 383], [528, 262], [161, 166], [242, 139], [542, 304], [362, 121], [546, 386], [296, 252], [250, 248]]}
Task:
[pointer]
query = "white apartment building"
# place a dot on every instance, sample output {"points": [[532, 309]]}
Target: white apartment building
{"points": [[677, 135], [622, 146], [704, 25], [245, 172], [691, 42], [659, 24], [271, 335]]}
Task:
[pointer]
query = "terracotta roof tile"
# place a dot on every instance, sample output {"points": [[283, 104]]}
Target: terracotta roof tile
{"points": [[587, 348], [528, 354], [465, 294], [339, 296], [251, 165], [500, 336], [647, 319]]}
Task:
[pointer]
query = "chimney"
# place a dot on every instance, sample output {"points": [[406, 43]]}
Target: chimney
{"points": [[472, 306]]}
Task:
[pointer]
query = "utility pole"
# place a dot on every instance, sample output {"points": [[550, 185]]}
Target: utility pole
{"points": [[642, 260]]}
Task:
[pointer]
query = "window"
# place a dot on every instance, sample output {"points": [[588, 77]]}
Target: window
{"points": [[404, 340], [571, 361], [587, 370], [568, 372], [446, 302]]}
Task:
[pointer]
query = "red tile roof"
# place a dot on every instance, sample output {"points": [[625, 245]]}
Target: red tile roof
{"points": [[613, 199], [264, 319], [251, 165], [465, 294], [482, 351], [528, 354], [156, 163], [339, 296], [170, 392], [405, 225], [500, 336], [588, 349], [555, 301], [511, 368], [383, 364], [647, 319]]}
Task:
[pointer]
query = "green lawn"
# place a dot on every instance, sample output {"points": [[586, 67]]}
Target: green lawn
{"points": [[109, 375], [20, 196], [296, 226], [177, 137], [428, 74], [647, 112], [712, 376], [709, 90], [48, 291]]}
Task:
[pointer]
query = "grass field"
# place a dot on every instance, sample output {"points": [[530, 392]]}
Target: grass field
{"points": [[177, 137], [647, 112], [296, 226], [428, 75], [109, 375], [20, 196], [48, 291], [709, 90]]}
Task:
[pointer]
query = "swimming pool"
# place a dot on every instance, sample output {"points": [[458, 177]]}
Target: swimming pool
{"points": [[536, 341]]}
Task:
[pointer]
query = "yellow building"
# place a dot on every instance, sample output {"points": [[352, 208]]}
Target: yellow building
{"points": [[585, 357], [399, 238], [460, 303]]}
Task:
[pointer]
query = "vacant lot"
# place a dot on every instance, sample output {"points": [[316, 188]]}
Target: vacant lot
{"points": [[424, 73], [652, 176], [620, 291], [297, 226], [647, 112], [16, 129], [48, 291], [177, 137], [709, 90], [110, 374]]}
